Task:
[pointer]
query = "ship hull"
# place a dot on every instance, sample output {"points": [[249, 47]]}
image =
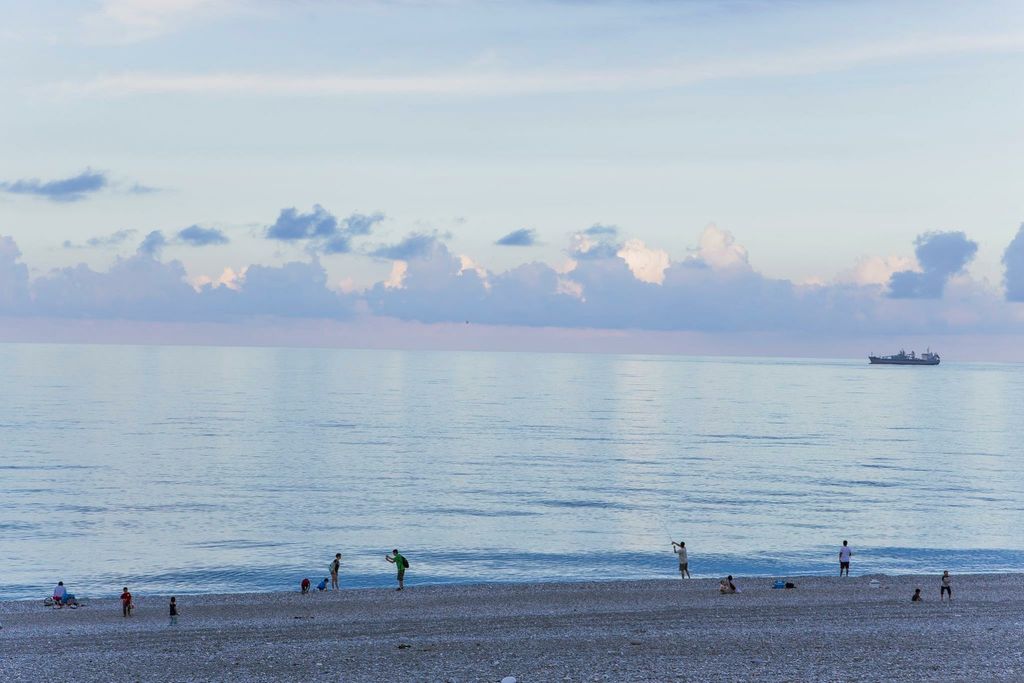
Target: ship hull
{"points": [[908, 361]]}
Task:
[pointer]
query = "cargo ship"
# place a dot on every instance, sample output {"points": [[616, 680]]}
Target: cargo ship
{"points": [[904, 358]]}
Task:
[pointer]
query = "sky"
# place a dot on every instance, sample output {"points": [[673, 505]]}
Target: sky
{"points": [[688, 176]]}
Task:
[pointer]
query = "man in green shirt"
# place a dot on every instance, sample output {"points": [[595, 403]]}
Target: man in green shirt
{"points": [[401, 563]]}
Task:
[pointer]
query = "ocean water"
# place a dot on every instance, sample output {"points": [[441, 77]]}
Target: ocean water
{"points": [[191, 469]]}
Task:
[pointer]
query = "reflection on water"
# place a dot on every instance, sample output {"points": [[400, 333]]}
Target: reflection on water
{"points": [[217, 469]]}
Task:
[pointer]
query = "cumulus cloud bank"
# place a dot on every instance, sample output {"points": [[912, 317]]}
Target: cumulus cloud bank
{"points": [[941, 255], [1013, 259], [710, 288], [141, 287]]}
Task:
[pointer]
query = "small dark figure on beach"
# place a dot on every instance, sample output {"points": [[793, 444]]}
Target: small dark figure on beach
{"points": [[917, 596], [173, 611], [947, 586], [126, 603], [726, 585], [335, 568], [322, 586], [401, 564], [304, 586], [684, 563], [844, 559], [60, 594]]}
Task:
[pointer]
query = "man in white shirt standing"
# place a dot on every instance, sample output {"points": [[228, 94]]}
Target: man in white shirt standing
{"points": [[684, 563], [844, 559]]}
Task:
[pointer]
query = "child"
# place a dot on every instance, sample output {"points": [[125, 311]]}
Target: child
{"points": [[335, 568], [173, 611], [126, 603], [322, 586], [304, 586], [947, 586], [917, 596]]}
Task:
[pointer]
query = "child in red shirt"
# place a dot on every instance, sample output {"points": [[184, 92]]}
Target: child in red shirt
{"points": [[126, 603]]}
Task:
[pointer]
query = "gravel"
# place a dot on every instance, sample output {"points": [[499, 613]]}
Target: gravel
{"points": [[826, 629]]}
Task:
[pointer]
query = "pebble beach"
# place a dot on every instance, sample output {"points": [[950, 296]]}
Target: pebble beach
{"points": [[826, 629]]}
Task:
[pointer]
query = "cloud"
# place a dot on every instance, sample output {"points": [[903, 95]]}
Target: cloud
{"points": [[489, 83], [875, 270], [599, 229], [321, 229], [711, 289], [718, 249], [138, 188], [524, 237], [152, 243], [198, 236], [596, 242], [141, 287], [940, 255], [1013, 259], [292, 225], [13, 277], [416, 245], [112, 240], [362, 224], [70, 189], [647, 265], [714, 289], [293, 290], [122, 21]]}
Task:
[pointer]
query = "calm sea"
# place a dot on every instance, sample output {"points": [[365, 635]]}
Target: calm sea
{"points": [[183, 469]]}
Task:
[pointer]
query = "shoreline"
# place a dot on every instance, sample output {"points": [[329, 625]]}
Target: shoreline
{"points": [[411, 584], [827, 628]]}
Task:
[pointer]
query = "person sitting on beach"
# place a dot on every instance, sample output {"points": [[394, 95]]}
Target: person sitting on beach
{"points": [[947, 586], [322, 586], [304, 586], [684, 564], [726, 585], [917, 596], [126, 603], [60, 594]]}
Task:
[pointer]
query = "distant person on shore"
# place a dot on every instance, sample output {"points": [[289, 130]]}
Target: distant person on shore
{"points": [[322, 586], [304, 586], [684, 563], [844, 559], [126, 603], [726, 586], [335, 568], [401, 563], [947, 586], [173, 610], [917, 596], [60, 594]]}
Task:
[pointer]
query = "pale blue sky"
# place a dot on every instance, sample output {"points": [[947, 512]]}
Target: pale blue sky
{"points": [[817, 133]]}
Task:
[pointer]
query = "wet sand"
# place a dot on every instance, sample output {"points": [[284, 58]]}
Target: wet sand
{"points": [[827, 629]]}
